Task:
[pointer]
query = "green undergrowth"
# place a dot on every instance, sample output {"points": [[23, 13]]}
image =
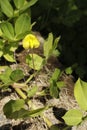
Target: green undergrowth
{"points": [[65, 39]]}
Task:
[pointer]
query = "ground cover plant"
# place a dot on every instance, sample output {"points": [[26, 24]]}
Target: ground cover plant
{"points": [[18, 19], [15, 26]]}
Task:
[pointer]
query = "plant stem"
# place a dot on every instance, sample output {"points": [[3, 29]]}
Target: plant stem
{"points": [[47, 121], [34, 67], [20, 93], [29, 79], [33, 61]]}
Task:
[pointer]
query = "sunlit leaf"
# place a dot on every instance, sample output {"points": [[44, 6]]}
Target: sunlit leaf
{"points": [[5, 76], [6, 8], [68, 70], [9, 56], [22, 35], [13, 46], [80, 93], [48, 45], [73, 117], [35, 61], [22, 24], [1, 44], [28, 5], [56, 41], [60, 84], [7, 30], [32, 91], [19, 3], [56, 74]]}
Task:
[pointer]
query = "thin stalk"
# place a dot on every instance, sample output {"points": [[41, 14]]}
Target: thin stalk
{"points": [[20, 93], [47, 121], [34, 67], [33, 61], [29, 79]]}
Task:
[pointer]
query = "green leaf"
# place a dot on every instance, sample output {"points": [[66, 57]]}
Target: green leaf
{"points": [[80, 93], [35, 61], [22, 24], [56, 74], [19, 3], [28, 5], [55, 53], [14, 110], [56, 41], [54, 92], [3, 68], [73, 117], [68, 70], [32, 91], [12, 46], [9, 56], [12, 106], [22, 113], [60, 84], [17, 75], [6, 8], [35, 113], [1, 44], [9, 52], [22, 35], [7, 30], [48, 45], [5, 76]]}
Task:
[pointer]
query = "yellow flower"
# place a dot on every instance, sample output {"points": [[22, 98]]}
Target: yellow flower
{"points": [[30, 41]]}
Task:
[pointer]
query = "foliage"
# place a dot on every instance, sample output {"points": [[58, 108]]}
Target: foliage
{"points": [[73, 117], [49, 49], [15, 109], [15, 23], [63, 18], [67, 18], [14, 78], [76, 116], [80, 93], [38, 61], [56, 85]]}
